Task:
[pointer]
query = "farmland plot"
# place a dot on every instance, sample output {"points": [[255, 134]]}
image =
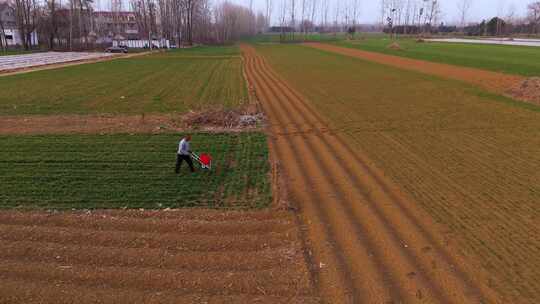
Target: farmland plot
{"points": [[469, 158], [212, 254], [133, 256], [517, 60], [172, 82], [131, 171]]}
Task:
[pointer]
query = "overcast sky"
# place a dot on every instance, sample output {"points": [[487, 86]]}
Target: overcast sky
{"points": [[370, 9], [481, 9]]}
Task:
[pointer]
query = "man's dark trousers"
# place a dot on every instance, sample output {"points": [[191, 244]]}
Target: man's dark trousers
{"points": [[180, 158]]}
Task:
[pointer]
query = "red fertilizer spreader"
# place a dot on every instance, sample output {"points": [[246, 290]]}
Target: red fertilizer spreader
{"points": [[205, 160]]}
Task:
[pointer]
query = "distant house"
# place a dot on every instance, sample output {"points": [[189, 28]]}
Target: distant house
{"points": [[111, 26], [9, 33]]}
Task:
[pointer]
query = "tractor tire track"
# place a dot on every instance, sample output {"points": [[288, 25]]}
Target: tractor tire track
{"points": [[358, 225]]}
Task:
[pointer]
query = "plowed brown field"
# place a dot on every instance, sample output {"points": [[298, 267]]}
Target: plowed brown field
{"points": [[369, 243], [496, 82], [188, 256]]}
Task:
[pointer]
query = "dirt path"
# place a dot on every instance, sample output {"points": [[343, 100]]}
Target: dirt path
{"points": [[495, 82], [104, 124], [368, 243], [186, 256], [88, 124]]}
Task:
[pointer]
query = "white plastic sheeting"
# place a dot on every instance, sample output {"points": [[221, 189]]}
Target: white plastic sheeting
{"points": [[163, 43], [13, 62], [501, 41]]}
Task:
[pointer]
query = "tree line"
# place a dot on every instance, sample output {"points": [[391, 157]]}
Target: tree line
{"points": [[73, 24], [424, 16], [300, 17]]}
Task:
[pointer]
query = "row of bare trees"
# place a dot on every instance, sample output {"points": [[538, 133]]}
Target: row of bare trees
{"points": [[72, 25], [24, 14], [410, 15], [233, 22], [419, 16], [196, 21], [307, 16]]}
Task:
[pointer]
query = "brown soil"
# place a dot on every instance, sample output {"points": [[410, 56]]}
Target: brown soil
{"points": [[88, 124], [216, 121], [65, 64], [495, 82], [175, 256], [367, 242], [528, 89]]}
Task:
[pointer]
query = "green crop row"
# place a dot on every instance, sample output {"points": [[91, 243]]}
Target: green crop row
{"points": [[171, 82], [131, 171]]}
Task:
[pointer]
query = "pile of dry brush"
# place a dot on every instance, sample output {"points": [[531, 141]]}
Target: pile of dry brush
{"points": [[247, 117], [528, 90]]}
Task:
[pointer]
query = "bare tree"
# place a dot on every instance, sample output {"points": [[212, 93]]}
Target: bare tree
{"points": [[269, 8], [313, 11], [534, 15], [283, 20], [53, 29], [384, 7], [511, 13], [293, 17], [355, 12], [234, 21], [325, 8], [303, 17], [26, 13], [252, 20], [3, 40], [336, 19], [409, 15], [432, 12], [143, 12], [5, 8], [463, 8]]}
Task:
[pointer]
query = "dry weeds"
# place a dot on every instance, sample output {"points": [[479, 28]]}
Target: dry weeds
{"points": [[528, 90]]}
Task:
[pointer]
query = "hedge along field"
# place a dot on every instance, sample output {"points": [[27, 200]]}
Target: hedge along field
{"points": [[131, 171], [520, 60], [469, 158], [174, 81]]}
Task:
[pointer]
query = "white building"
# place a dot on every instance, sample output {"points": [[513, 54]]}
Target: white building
{"points": [[10, 35]]}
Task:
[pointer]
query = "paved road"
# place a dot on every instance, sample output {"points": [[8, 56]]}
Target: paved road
{"points": [[504, 41]]}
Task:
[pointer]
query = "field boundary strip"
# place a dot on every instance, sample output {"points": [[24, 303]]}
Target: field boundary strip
{"points": [[498, 83], [107, 124]]}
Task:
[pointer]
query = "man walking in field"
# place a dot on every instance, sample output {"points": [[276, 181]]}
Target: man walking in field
{"points": [[184, 153]]}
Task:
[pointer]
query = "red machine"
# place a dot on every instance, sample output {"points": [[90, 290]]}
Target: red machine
{"points": [[205, 160]]}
